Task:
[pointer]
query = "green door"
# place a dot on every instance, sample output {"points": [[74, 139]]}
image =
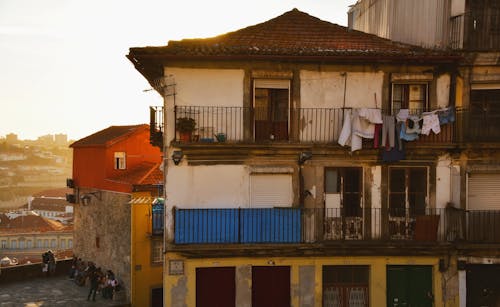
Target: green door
{"points": [[409, 286]]}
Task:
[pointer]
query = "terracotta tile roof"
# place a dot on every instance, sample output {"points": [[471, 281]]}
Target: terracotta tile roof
{"points": [[108, 136], [295, 34], [147, 173], [32, 223], [54, 193]]}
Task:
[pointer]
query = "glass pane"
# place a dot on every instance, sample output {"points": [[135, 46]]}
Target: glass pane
{"points": [[332, 182]]}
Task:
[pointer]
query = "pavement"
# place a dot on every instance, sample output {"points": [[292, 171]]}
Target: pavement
{"points": [[51, 291]]}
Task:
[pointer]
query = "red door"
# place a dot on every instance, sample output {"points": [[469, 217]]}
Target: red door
{"points": [[215, 287], [271, 286]]}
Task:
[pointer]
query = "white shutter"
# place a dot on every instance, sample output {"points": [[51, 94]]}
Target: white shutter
{"points": [[272, 83], [271, 190], [483, 191]]}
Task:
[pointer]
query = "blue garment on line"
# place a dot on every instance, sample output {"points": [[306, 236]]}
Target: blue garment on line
{"points": [[446, 116]]}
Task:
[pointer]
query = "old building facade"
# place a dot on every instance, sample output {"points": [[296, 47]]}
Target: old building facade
{"points": [[309, 164], [106, 166]]}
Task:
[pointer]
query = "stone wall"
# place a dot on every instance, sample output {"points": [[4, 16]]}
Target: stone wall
{"points": [[102, 232]]}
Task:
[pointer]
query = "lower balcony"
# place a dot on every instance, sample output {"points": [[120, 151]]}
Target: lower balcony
{"points": [[319, 225]]}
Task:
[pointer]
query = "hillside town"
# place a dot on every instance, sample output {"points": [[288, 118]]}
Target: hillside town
{"points": [[293, 162]]}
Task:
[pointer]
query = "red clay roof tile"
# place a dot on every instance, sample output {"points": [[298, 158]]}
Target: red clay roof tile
{"points": [[294, 33], [105, 136]]}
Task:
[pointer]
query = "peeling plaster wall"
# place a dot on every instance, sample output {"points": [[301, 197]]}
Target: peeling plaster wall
{"points": [[244, 286], [218, 186], [306, 285]]}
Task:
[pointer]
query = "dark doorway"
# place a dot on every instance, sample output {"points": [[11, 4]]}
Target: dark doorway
{"points": [[271, 286], [215, 287], [271, 114], [409, 285], [483, 285], [157, 297]]}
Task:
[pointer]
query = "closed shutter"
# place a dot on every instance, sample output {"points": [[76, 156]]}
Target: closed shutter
{"points": [[267, 191], [272, 83], [484, 191]]}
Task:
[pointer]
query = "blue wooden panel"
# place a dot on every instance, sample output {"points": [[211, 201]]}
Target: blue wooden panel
{"points": [[206, 226], [270, 225]]}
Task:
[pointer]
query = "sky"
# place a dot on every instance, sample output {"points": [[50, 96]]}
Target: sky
{"points": [[62, 62]]}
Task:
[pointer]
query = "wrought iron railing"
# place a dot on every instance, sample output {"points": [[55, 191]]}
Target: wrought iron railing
{"points": [[156, 126], [303, 125]]}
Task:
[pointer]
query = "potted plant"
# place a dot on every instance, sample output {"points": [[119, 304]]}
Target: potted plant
{"points": [[185, 127]]}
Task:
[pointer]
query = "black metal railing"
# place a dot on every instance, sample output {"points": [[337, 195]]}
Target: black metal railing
{"points": [[156, 126], [303, 125]]}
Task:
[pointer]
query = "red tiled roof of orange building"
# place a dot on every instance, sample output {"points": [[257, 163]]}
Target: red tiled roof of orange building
{"points": [[107, 136], [143, 173], [32, 223], [294, 33]]}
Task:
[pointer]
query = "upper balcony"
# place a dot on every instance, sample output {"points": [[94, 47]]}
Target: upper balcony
{"points": [[209, 124]]}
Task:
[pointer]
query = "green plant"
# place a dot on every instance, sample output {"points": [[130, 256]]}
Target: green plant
{"points": [[185, 124]]}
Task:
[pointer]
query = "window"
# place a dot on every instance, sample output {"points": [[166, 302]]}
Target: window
{"points": [[271, 111], [53, 243], [13, 244], [120, 160], [407, 190], [157, 251], [345, 285], [70, 243], [29, 244], [46, 243], [21, 244], [39, 243], [409, 96], [4, 244], [63, 243]]}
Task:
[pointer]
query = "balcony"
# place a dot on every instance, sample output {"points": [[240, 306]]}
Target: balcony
{"points": [[302, 125], [319, 225]]}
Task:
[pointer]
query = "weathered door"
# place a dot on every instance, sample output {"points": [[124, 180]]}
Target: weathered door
{"points": [[215, 287], [271, 286], [483, 285], [157, 297], [409, 286], [271, 109]]}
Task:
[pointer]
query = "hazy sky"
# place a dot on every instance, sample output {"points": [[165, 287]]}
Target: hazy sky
{"points": [[62, 62]]}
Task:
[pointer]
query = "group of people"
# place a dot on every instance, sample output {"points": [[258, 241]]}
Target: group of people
{"points": [[105, 283], [48, 263]]}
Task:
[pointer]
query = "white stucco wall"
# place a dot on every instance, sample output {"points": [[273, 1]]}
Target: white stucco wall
{"points": [[443, 91], [214, 186], [207, 87], [326, 89], [443, 182]]}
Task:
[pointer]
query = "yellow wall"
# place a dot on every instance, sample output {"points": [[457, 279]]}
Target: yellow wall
{"points": [[377, 287], [149, 276]]}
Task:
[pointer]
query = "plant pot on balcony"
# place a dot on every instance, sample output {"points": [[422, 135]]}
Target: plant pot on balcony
{"points": [[185, 126]]}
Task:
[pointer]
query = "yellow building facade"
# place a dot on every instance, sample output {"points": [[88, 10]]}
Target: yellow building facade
{"points": [[147, 257]]}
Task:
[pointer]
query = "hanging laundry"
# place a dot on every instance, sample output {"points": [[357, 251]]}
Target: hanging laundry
{"points": [[347, 137], [413, 124], [431, 122], [446, 115], [404, 135], [388, 128], [402, 115]]}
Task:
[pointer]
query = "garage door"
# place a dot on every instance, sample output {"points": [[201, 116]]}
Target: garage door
{"points": [[271, 286], [483, 191], [215, 287]]}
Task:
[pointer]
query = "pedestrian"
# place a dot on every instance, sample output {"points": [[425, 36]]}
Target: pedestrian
{"points": [[94, 284], [52, 263], [45, 263]]}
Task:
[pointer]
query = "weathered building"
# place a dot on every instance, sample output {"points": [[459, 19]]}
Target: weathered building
{"points": [[286, 180], [106, 166], [472, 29]]}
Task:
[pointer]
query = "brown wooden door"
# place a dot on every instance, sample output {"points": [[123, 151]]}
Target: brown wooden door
{"points": [[215, 287], [271, 286]]}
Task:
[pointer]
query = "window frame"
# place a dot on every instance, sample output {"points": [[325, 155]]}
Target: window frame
{"points": [[120, 160], [406, 100], [157, 256]]}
